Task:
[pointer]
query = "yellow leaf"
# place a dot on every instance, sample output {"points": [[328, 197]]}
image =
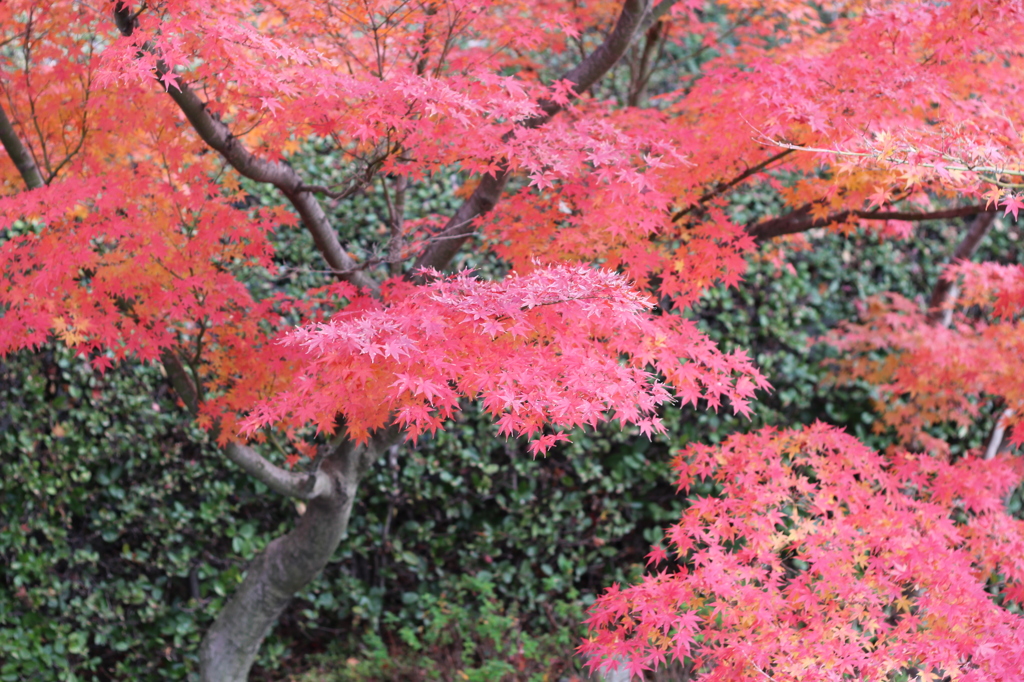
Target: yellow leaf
{"points": [[78, 211]]}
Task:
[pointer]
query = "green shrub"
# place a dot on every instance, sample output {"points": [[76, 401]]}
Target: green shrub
{"points": [[465, 635]]}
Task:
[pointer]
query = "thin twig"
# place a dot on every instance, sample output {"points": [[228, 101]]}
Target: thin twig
{"points": [[722, 188]]}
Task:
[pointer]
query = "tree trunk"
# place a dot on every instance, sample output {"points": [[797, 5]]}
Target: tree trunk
{"points": [[286, 565]]}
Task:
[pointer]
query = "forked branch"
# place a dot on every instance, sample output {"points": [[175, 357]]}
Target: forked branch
{"points": [[635, 16], [218, 136], [303, 486], [940, 306]]}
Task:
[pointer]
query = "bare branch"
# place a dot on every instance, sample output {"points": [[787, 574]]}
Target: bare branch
{"points": [[940, 306], [995, 440], [487, 194], [656, 13], [600, 61], [396, 221], [277, 173], [946, 214], [460, 225], [302, 486], [723, 187], [643, 66], [801, 219], [19, 154], [354, 187], [180, 380]]}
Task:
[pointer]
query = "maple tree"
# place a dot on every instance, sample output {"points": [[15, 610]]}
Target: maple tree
{"points": [[600, 179]]}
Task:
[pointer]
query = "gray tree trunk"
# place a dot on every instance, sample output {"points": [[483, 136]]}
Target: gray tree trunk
{"points": [[286, 565]]}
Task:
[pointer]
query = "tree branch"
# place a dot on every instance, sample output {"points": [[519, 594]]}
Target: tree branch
{"points": [[586, 73], [801, 220], [723, 187], [302, 486], [600, 61], [19, 154], [995, 440], [940, 306], [642, 68], [305, 486], [180, 380], [940, 311], [656, 13], [396, 221], [277, 173], [946, 214]]}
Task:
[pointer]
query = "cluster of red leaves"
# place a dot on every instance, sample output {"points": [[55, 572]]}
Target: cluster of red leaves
{"points": [[967, 364], [133, 248], [818, 559], [923, 90], [565, 345], [83, 268], [80, 268], [998, 289]]}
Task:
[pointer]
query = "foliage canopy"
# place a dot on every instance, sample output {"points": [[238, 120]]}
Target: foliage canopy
{"points": [[603, 193]]}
